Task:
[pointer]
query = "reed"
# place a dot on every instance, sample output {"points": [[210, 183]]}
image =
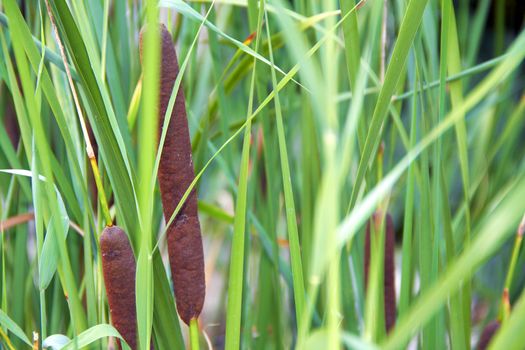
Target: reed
{"points": [[118, 266], [488, 333], [389, 285], [175, 176]]}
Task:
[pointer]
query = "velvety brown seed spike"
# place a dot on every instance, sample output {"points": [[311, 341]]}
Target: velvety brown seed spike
{"points": [[175, 176], [389, 269], [487, 334], [118, 265], [10, 123]]}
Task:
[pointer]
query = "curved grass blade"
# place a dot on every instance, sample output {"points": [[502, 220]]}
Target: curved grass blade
{"points": [[93, 334], [291, 219], [187, 10], [407, 32], [48, 263], [237, 270], [11, 326]]}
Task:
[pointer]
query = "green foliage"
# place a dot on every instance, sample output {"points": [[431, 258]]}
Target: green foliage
{"points": [[306, 118]]}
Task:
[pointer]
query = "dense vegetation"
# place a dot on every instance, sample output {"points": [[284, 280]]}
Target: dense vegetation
{"points": [[330, 140]]}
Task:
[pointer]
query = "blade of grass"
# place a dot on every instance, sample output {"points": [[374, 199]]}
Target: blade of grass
{"points": [[236, 275], [492, 235], [93, 334], [354, 220], [456, 95], [42, 145], [146, 162], [185, 9], [409, 26], [49, 92], [408, 219], [233, 318], [8, 323], [291, 220]]}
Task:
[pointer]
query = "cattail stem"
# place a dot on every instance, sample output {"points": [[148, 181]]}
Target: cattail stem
{"points": [[194, 334], [513, 260], [383, 42], [101, 193], [504, 310], [134, 105], [89, 147]]}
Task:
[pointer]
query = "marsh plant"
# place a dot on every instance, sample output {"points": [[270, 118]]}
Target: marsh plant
{"points": [[262, 174]]}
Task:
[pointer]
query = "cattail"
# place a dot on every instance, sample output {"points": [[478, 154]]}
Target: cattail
{"points": [[389, 268], [11, 124], [118, 265], [487, 334], [175, 176]]}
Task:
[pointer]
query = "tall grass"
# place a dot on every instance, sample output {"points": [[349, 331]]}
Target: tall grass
{"points": [[306, 119]]}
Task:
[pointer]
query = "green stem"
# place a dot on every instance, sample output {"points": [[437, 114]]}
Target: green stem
{"points": [[291, 220], [504, 311], [513, 260], [194, 334], [101, 192]]}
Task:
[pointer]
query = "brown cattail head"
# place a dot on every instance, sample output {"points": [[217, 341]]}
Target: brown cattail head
{"points": [[118, 265], [11, 123], [488, 332], [389, 266], [175, 176]]}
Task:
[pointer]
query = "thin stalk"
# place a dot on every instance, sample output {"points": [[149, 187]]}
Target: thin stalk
{"points": [[236, 278], [456, 97], [104, 42], [352, 51], [456, 329], [515, 253], [39, 226], [407, 32], [451, 78], [291, 221], [100, 188], [408, 219], [437, 156], [504, 311], [194, 334], [499, 37], [383, 42]]}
